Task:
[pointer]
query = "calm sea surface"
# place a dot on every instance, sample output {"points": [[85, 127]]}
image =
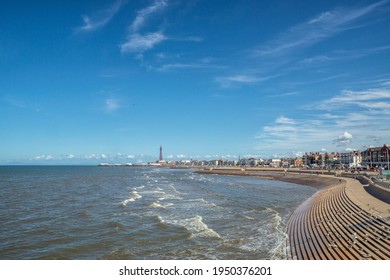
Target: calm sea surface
{"points": [[139, 213]]}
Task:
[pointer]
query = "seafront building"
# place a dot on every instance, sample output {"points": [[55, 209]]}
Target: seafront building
{"points": [[354, 158], [373, 157], [377, 157]]}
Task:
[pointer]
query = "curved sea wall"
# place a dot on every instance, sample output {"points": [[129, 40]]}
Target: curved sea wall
{"points": [[341, 221]]}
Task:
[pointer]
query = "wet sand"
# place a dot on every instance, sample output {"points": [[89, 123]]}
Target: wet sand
{"points": [[341, 221]]}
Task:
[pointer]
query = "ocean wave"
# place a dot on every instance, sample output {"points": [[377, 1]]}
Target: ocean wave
{"points": [[268, 234], [242, 215], [172, 186], [275, 217], [134, 195], [198, 228], [154, 192], [158, 205], [139, 188], [279, 250], [195, 226], [265, 235], [171, 197], [160, 219], [203, 201]]}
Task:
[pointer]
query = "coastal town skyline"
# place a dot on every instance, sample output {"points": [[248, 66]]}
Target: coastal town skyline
{"points": [[113, 80]]}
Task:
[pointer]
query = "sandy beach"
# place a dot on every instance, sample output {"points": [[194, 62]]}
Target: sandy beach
{"points": [[341, 221]]}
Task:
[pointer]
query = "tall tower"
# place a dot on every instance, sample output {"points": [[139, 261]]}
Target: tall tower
{"points": [[161, 158]]}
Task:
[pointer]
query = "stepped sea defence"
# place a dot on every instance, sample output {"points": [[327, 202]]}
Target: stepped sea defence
{"points": [[339, 222]]}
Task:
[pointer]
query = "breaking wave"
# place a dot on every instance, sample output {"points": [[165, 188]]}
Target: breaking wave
{"points": [[134, 195]]}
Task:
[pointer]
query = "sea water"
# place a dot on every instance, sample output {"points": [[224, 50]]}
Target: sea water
{"points": [[90, 212]]}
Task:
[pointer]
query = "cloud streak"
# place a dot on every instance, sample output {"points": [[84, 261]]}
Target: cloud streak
{"points": [[144, 14], [282, 54], [370, 99], [315, 30], [354, 115], [339, 56], [138, 42], [234, 80], [100, 18]]}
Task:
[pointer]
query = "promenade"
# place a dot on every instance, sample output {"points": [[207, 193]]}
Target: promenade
{"points": [[341, 221]]}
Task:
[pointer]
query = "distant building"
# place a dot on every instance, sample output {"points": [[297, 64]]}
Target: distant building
{"points": [[353, 158], [377, 156], [276, 162], [333, 158], [313, 159]]}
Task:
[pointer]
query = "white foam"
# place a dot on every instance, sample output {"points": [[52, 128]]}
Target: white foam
{"points": [[158, 205], [198, 200], [266, 234], [247, 217], [172, 186], [134, 195], [202, 200], [279, 251], [139, 188], [154, 192], [198, 228], [170, 196], [160, 219], [276, 219]]}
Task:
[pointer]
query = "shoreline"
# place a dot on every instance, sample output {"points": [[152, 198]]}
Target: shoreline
{"points": [[311, 179], [340, 221]]}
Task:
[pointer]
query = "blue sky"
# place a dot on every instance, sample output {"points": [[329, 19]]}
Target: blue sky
{"points": [[111, 81]]}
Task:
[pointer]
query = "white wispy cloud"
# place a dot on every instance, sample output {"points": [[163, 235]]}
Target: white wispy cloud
{"points": [[285, 94], [359, 98], [320, 80], [144, 14], [315, 60], [200, 64], [338, 56], [332, 123], [317, 29], [233, 80], [301, 135], [284, 120], [138, 42], [100, 18], [111, 105], [189, 39]]}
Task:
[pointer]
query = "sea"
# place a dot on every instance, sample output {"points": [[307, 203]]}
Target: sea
{"points": [[142, 213]]}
